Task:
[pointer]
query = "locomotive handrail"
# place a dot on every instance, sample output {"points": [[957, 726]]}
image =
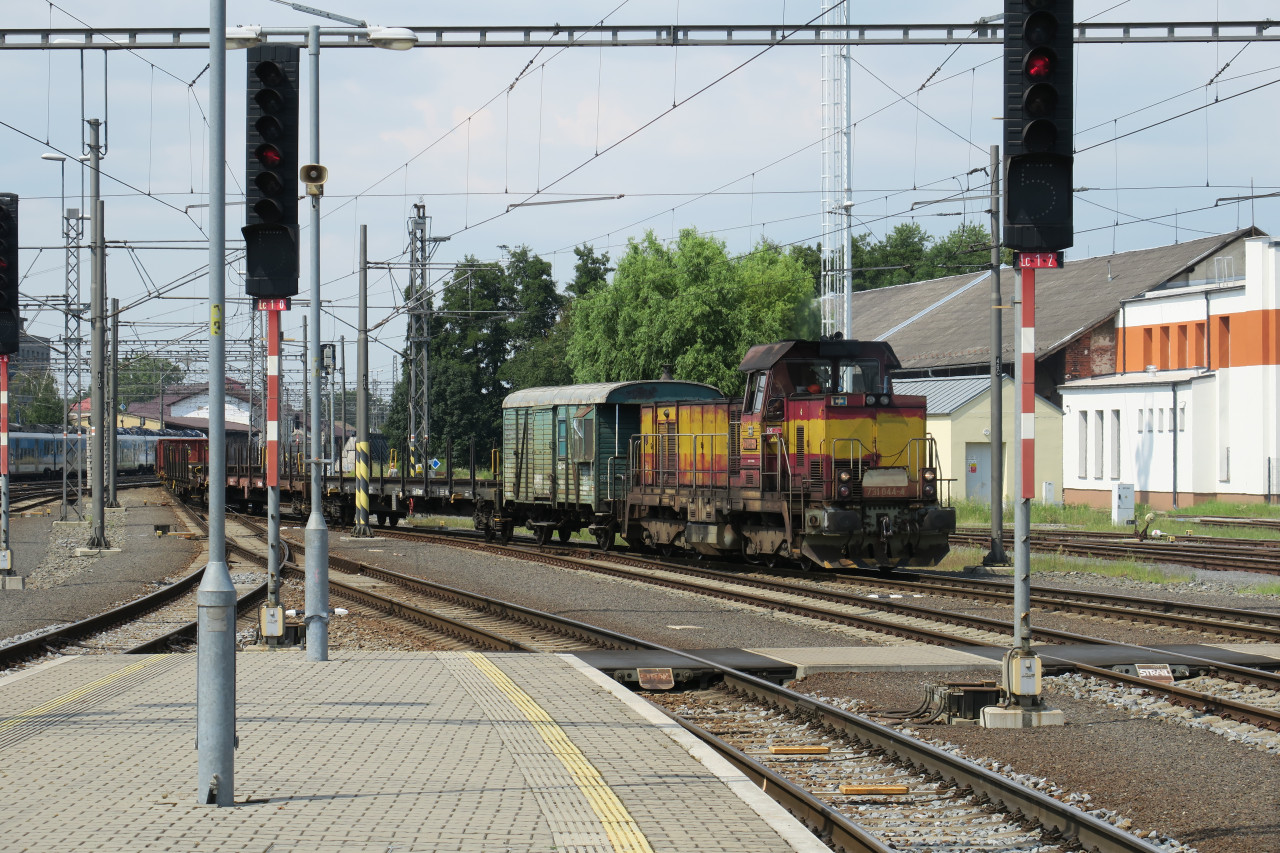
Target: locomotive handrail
{"points": [[659, 472]]}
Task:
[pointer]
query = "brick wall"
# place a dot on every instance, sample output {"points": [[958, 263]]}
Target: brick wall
{"points": [[1091, 354]]}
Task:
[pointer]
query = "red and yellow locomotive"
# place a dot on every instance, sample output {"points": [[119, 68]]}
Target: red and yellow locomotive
{"points": [[819, 462]]}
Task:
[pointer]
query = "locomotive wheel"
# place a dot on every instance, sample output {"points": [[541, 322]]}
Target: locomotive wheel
{"points": [[489, 533], [564, 534]]}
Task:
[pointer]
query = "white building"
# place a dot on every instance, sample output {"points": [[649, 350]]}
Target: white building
{"points": [[1192, 413]]}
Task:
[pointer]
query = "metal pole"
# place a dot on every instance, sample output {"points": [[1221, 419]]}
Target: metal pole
{"points": [[342, 369], [997, 556], [361, 528], [113, 392], [98, 525], [216, 597], [847, 143], [306, 397], [4, 467], [273, 462], [1024, 460], [317, 534]]}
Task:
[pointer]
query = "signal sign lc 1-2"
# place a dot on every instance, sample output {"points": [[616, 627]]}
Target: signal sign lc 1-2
{"points": [[1037, 260]]}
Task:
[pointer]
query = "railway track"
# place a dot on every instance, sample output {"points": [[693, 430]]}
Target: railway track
{"points": [[946, 800], [1204, 552], [885, 616], [978, 805]]}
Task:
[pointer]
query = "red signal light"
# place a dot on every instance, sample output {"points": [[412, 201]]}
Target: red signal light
{"points": [[1040, 64], [268, 155]]}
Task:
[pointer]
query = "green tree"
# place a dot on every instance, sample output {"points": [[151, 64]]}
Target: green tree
{"points": [[36, 399], [470, 342], [589, 272], [537, 353], [690, 305], [141, 378]]}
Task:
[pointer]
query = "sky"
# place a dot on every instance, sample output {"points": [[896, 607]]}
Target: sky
{"points": [[1163, 132]]}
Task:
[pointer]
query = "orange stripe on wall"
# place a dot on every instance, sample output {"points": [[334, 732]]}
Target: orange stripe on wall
{"points": [[1245, 339]]}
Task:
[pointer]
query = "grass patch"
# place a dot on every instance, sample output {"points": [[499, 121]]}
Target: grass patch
{"points": [[973, 513], [1230, 510], [958, 558], [1268, 588]]}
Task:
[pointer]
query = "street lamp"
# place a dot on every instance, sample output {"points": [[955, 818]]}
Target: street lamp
{"points": [[392, 38]]}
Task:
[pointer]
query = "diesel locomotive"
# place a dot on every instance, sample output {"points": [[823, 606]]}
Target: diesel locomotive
{"points": [[819, 463]]}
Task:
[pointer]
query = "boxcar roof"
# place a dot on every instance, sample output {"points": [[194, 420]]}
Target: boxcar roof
{"points": [[611, 392]]}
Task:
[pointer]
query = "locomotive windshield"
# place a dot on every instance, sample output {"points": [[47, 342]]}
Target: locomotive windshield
{"points": [[839, 376]]}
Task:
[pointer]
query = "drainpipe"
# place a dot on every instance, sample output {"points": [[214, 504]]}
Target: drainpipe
{"points": [[1173, 386]]}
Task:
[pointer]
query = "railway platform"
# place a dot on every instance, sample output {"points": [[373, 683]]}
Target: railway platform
{"points": [[370, 751]]}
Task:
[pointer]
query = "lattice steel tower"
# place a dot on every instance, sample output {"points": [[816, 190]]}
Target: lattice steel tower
{"points": [[421, 247], [837, 173]]}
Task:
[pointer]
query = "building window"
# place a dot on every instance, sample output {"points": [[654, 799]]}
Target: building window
{"points": [[1098, 426], [1083, 452], [1182, 417], [1115, 444], [1138, 419], [1197, 345], [1222, 344], [1151, 420], [1160, 422], [1165, 361], [1182, 358]]}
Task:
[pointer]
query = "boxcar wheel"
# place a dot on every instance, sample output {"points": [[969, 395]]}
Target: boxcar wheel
{"points": [[604, 539], [489, 533], [564, 534], [505, 533], [542, 534]]}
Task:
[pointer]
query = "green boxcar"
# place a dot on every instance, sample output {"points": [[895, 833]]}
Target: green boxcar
{"points": [[564, 455]]}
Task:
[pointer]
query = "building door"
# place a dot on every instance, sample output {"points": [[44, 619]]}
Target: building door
{"points": [[977, 471]]}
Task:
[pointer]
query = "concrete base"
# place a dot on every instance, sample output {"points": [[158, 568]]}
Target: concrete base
{"points": [[81, 523], [266, 648], [95, 552], [361, 538], [13, 582], [996, 717]]}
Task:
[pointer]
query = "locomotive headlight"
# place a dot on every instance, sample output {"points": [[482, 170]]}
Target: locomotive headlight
{"points": [[844, 491], [845, 476], [884, 399], [929, 474]]}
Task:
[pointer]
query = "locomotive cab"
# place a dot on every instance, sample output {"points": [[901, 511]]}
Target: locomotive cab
{"points": [[852, 463]]}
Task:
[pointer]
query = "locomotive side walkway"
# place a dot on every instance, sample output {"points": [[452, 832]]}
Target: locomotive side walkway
{"points": [[445, 751]]}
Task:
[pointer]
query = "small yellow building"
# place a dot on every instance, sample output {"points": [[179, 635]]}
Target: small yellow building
{"points": [[959, 412]]}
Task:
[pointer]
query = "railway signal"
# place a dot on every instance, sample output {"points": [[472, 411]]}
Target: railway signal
{"points": [[1038, 134], [10, 318], [271, 143]]}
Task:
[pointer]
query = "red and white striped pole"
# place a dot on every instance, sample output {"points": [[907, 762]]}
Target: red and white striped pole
{"points": [[273, 454], [7, 557], [1025, 451]]}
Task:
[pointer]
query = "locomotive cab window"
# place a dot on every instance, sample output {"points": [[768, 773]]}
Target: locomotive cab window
{"points": [[810, 377], [858, 376], [756, 388]]}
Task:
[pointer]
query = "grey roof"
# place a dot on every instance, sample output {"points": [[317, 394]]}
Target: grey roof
{"points": [[945, 394], [611, 392], [946, 322]]}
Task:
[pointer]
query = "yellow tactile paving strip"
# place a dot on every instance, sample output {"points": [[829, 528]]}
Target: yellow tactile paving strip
{"points": [[624, 836]]}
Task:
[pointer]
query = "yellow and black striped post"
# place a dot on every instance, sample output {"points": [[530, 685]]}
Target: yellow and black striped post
{"points": [[361, 528], [362, 489]]}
